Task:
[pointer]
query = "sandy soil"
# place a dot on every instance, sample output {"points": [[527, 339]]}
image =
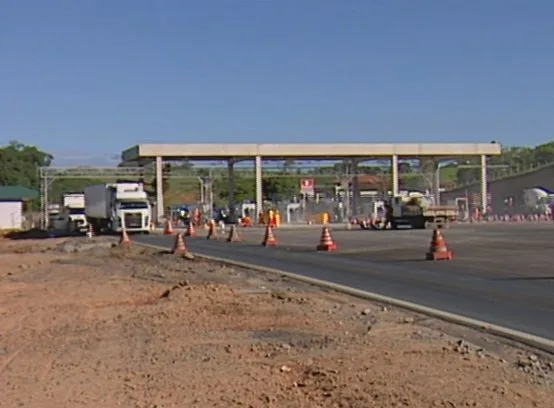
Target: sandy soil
{"points": [[85, 325]]}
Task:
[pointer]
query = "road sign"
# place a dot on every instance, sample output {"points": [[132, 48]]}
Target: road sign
{"points": [[307, 186]]}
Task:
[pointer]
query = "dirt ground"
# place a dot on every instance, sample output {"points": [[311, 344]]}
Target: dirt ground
{"points": [[86, 325]]}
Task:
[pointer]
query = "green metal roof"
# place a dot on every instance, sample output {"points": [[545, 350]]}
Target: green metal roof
{"points": [[17, 193]]}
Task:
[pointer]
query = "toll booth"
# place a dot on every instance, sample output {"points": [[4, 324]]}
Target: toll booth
{"points": [[463, 208], [294, 213]]}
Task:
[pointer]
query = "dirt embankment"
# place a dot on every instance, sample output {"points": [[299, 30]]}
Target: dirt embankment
{"points": [[86, 325]]}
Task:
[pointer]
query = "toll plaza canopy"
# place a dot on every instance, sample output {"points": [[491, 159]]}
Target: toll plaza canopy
{"points": [[213, 151], [357, 152]]}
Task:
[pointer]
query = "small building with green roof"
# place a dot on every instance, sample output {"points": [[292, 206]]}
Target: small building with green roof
{"points": [[12, 199]]}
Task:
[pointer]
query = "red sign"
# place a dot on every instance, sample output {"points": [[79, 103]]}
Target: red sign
{"points": [[307, 186]]}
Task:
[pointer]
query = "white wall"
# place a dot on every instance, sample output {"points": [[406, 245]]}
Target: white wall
{"points": [[10, 214]]}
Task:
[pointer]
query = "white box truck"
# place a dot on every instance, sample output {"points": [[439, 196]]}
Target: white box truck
{"points": [[72, 217], [118, 206]]}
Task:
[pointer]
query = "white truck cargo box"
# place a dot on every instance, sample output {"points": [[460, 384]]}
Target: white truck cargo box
{"points": [[97, 201], [74, 200], [129, 188]]}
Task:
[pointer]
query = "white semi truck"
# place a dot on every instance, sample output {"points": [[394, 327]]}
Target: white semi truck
{"points": [[71, 218], [110, 208]]}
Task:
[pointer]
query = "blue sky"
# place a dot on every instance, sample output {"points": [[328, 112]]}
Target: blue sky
{"points": [[94, 77]]}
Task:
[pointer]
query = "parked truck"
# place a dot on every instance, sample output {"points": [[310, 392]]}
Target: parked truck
{"points": [[71, 219], [110, 208], [414, 212], [418, 213]]}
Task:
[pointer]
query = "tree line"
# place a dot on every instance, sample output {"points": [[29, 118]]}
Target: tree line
{"points": [[20, 163]]}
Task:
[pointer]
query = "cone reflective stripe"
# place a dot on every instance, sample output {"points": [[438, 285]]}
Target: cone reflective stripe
{"points": [[233, 234], [191, 232], [438, 250], [124, 240], [168, 230], [326, 242], [212, 231], [90, 231], [179, 247], [269, 237]]}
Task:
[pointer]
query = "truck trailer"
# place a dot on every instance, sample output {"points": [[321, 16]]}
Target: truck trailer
{"points": [[71, 218], [113, 207]]}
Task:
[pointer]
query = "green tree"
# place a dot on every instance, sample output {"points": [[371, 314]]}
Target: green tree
{"points": [[61, 186], [288, 165], [244, 189], [277, 188], [544, 153], [19, 165]]}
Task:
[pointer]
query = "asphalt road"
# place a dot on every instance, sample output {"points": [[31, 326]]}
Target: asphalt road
{"points": [[503, 274]]}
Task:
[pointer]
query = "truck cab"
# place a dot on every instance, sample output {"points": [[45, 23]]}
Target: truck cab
{"points": [[118, 206], [132, 213], [71, 220], [74, 212]]}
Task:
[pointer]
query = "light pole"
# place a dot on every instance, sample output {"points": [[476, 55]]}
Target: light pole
{"points": [[206, 193]]}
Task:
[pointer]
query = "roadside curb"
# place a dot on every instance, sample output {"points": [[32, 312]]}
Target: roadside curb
{"points": [[538, 342]]}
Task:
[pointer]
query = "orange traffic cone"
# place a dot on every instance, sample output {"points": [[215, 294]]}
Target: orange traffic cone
{"points": [[326, 242], [191, 232], [90, 231], [438, 250], [179, 247], [269, 238], [212, 231], [168, 229], [233, 235], [124, 240]]}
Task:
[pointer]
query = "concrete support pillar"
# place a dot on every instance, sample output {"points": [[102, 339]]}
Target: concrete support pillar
{"points": [[394, 172], [355, 189], [258, 170], [231, 179], [437, 181], [484, 189], [159, 189]]}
